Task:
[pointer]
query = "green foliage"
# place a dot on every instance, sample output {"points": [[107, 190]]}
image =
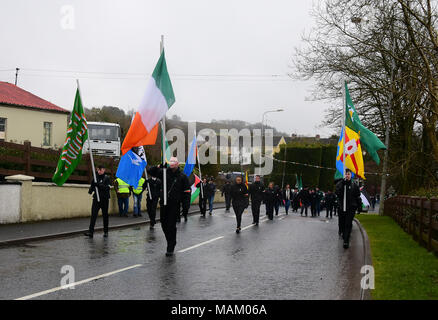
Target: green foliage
{"points": [[425, 192], [305, 153]]}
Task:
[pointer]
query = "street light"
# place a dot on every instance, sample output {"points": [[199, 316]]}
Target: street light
{"points": [[261, 146]]}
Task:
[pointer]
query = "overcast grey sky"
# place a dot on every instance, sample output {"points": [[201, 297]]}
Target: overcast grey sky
{"points": [[210, 47]]}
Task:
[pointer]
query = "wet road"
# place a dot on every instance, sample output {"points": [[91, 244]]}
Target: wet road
{"points": [[292, 257]]}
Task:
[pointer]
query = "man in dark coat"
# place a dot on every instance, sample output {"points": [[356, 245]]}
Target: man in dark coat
{"points": [[202, 196], [278, 199], [304, 197], [103, 186], [177, 184], [239, 199], [226, 189], [329, 199], [155, 186], [256, 191], [353, 203], [270, 196], [210, 190]]}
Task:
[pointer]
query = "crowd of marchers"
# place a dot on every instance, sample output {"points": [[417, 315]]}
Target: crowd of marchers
{"points": [[238, 195]]}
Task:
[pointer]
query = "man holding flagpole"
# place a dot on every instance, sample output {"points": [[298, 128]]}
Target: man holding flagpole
{"points": [[177, 184]]}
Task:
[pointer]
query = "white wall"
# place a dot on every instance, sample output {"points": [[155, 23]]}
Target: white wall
{"points": [[10, 195]]}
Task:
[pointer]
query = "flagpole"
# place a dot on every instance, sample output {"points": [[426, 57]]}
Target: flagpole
{"points": [[199, 167], [343, 149], [91, 152], [163, 126], [147, 179]]}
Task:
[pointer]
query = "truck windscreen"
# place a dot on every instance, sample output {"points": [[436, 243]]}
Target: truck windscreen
{"points": [[99, 132]]}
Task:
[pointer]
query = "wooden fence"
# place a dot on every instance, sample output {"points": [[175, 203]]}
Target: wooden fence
{"points": [[417, 216], [41, 163]]}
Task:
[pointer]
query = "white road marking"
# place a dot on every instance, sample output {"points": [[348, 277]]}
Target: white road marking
{"points": [[200, 244], [77, 283], [124, 269]]}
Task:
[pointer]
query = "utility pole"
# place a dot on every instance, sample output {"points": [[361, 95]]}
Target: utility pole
{"points": [[16, 75], [284, 167]]}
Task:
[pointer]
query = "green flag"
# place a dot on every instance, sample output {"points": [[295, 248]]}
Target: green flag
{"points": [[77, 134], [367, 138]]}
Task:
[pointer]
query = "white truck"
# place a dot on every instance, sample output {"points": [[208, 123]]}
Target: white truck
{"points": [[104, 139]]}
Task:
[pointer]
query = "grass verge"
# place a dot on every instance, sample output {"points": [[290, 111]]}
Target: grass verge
{"points": [[403, 269]]}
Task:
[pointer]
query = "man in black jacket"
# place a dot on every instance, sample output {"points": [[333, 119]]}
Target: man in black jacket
{"points": [[177, 184], [353, 203], [103, 187], [226, 189], [304, 197], [257, 192], [329, 200], [155, 186], [240, 201], [202, 199]]}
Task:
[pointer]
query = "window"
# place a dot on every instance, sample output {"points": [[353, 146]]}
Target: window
{"points": [[47, 138], [2, 128], [105, 133]]}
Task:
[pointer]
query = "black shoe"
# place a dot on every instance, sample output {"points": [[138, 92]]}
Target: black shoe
{"points": [[88, 234], [151, 227], [256, 223], [139, 215], [346, 245], [169, 253], [237, 230], [105, 235]]}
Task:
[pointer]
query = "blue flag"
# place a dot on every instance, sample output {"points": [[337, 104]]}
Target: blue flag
{"points": [[191, 159], [131, 168]]}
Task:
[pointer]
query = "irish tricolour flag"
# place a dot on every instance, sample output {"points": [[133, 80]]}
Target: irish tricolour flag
{"points": [[195, 190], [157, 99]]}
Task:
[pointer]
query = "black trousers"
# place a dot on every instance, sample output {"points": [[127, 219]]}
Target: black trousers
{"points": [[255, 209], [313, 209], [270, 210], [185, 203], [329, 211], [95, 207], [203, 205], [168, 216], [345, 221], [238, 210], [152, 209], [304, 206], [227, 202]]}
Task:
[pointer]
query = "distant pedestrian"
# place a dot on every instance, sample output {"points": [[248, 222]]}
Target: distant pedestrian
{"points": [[103, 186], [295, 201], [270, 198], [239, 200], [152, 199], [123, 193], [329, 203], [202, 196], [373, 202], [313, 200], [287, 197], [305, 200], [226, 189], [278, 199], [137, 192], [257, 192], [353, 203], [211, 191], [319, 197]]}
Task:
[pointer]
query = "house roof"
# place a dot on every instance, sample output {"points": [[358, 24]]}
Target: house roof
{"points": [[12, 95]]}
